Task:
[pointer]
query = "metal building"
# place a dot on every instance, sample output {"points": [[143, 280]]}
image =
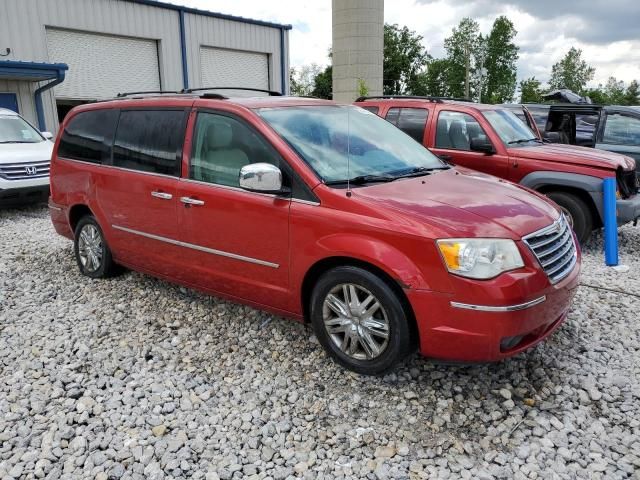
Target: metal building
{"points": [[55, 54]]}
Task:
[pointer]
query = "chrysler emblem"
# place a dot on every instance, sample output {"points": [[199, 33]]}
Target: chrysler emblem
{"points": [[31, 170]]}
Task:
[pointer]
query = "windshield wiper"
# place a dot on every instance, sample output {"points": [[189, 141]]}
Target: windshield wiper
{"points": [[362, 179], [420, 171], [523, 140]]}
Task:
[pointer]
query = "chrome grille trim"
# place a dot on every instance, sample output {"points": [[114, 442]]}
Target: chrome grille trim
{"points": [[555, 249], [18, 171]]}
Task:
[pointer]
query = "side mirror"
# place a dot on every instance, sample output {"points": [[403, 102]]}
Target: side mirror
{"points": [[261, 177], [481, 144], [47, 135]]}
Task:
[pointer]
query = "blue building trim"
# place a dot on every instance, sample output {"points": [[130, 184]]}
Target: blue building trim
{"points": [[35, 72], [283, 72], [183, 49], [207, 13]]}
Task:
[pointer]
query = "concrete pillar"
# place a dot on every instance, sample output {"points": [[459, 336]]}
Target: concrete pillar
{"points": [[358, 40]]}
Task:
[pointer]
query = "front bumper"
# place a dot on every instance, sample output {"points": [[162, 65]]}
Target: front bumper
{"points": [[24, 195], [628, 209], [485, 332]]}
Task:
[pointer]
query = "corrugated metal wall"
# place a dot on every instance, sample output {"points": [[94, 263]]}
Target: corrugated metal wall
{"points": [[23, 22], [24, 92], [215, 32]]}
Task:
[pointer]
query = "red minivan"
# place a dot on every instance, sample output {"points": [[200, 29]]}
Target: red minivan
{"points": [[321, 212]]}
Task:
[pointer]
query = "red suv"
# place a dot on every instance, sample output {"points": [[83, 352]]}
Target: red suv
{"points": [[491, 139], [321, 212]]}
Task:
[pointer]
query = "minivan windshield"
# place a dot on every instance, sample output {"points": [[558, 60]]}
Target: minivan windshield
{"points": [[511, 130], [345, 142], [14, 129]]}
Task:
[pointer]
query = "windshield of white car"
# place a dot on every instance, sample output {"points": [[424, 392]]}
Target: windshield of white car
{"points": [[343, 143], [13, 129], [511, 130]]}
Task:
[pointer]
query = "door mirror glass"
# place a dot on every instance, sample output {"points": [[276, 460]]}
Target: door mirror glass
{"points": [[47, 135], [261, 177], [481, 144]]}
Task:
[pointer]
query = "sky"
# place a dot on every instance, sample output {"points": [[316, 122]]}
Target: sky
{"points": [[608, 32]]}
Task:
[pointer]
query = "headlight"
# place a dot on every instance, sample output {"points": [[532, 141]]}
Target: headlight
{"points": [[480, 258]]}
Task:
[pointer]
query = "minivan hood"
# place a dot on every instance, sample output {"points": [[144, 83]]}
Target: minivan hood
{"points": [[25, 152], [464, 203], [571, 154]]}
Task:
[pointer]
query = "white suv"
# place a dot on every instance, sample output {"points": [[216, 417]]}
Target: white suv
{"points": [[25, 154]]}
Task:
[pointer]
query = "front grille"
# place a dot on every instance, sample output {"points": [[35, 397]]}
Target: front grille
{"points": [[23, 171], [627, 182], [555, 249]]}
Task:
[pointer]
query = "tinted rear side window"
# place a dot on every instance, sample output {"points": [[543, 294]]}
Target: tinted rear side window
{"points": [[88, 136], [410, 120], [150, 141], [372, 108]]}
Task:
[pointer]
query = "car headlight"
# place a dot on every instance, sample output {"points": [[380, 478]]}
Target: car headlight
{"points": [[480, 258]]}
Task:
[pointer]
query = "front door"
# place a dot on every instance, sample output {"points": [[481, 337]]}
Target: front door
{"points": [[236, 242], [621, 134], [454, 131]]}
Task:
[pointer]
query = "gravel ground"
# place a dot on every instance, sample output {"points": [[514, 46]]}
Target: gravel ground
{"points": [[137, 378]]}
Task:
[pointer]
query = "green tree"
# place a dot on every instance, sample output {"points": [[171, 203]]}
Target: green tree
{"points": [[530, 90], [597, 95], [302, 80], [499, 84], [632, 94], [323, 84], [433, 81], [571, 72], [404, 60], [463, 47], [615, 91]]}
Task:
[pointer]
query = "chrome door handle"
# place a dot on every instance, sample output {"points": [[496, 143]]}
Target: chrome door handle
{"points": [[162, 195], [191, 201]]}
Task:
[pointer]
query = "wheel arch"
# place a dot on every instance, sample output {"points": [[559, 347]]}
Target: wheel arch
{"points": [[322, 266], [585, 187], [76, 212]]}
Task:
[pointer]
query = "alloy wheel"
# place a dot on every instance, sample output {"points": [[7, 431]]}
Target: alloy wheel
{"points": [[90, 248], [356, 321]]}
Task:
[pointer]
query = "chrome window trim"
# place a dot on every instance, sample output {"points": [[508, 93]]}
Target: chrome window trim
{"points": [[306, 202], [506, 308], [198, 247]]}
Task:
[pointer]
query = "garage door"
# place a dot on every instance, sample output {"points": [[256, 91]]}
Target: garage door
{"points": [[234, 68], [101, 66]]}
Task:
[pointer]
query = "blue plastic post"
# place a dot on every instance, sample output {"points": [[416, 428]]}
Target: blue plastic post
{"points": [[610, 222]]}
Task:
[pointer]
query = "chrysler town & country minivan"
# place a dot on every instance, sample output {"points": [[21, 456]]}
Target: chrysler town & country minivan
{"points": [[318, 211]]}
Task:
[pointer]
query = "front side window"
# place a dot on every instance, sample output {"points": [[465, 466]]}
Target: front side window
{"points": [[150, 141], [622, 130], [14, 129], [344, 142], [411, 121], [456, 129], [223, 145], [88, 135], [511, 130]]}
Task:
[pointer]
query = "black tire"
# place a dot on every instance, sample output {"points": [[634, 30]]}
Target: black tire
{"points": [[398, 343], [578, 212], [106, 266]]}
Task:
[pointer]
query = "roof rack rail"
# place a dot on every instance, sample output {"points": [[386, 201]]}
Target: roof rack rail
{"points": [[411, 97], [148, 92], [271, 93]]}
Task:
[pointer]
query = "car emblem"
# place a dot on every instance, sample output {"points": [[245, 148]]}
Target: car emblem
{"points": [[31, 170]]}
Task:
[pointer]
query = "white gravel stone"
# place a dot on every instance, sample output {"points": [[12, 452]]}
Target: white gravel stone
{"points": [[93, 370]]}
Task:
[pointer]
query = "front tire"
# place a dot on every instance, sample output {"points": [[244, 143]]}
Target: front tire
{"points": [[360, 321], [578, 213], [91, 250]]}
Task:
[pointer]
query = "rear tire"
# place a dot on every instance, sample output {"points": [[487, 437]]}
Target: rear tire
{"points": [[360, 321], [91, 250], [578, 213]]}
